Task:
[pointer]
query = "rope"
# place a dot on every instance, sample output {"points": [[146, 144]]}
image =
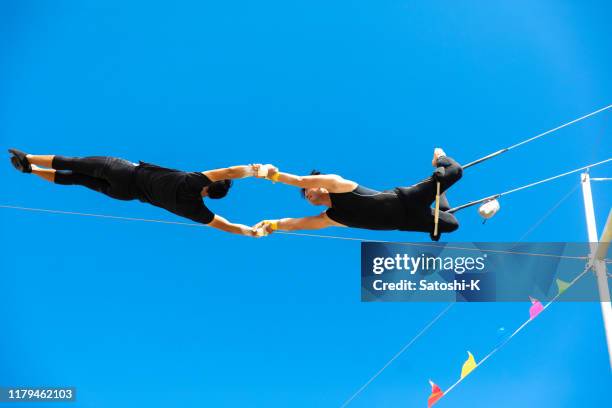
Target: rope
{"points": [[548, 213], [189, 224], [425, 244], [531, 139], [519, 329], [514, 190], [556, 177], [114, 217], [399, 353]]}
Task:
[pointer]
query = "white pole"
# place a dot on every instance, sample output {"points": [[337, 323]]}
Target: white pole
{"points": [[604, 240], [599, 265]]}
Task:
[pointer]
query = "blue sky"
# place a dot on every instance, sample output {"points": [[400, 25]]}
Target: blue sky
{"points": [[137, 314]]}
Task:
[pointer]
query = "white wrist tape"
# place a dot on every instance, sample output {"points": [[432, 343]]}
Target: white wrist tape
{"points": [[263, 170]]}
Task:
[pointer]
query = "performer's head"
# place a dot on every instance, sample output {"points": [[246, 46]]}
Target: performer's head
{"points": [[315, 196], [218, 189]]}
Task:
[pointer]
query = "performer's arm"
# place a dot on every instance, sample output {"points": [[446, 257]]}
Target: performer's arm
{"points": [[230, 173], [314, 222], [332, 182], [222, 224]]}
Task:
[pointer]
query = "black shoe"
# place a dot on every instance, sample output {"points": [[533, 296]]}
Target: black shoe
{"points": [[20, 161], [433, 237]]}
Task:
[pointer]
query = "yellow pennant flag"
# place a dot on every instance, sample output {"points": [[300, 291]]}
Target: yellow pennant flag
{"points": [[468, 366], [562, 285]]}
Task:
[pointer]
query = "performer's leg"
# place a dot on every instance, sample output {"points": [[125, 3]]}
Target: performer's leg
{"points": [[69, 178], [108, 175], [424, 193], [45, 174], [45, 160], [90, 166], [447, 222], [444, 204]]}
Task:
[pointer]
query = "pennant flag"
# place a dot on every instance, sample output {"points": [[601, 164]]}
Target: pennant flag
{"points": [[468, 366], [536, 308], [436, 394], [562, 285]]}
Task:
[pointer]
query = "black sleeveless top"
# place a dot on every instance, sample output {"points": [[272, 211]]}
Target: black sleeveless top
{"points": [[368, 209]]}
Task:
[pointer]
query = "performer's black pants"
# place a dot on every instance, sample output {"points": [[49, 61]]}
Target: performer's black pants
{"points": [[419, 197], [107, 175]]}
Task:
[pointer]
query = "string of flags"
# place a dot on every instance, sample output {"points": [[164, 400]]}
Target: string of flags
{"points": [[470, 364], [437, 393]]}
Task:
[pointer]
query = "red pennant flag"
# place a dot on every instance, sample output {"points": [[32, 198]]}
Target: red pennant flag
{"points": [[436, 394]]}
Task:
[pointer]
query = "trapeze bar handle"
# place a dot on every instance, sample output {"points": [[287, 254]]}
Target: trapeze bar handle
{"points": [[471, 203], [490, 156]]}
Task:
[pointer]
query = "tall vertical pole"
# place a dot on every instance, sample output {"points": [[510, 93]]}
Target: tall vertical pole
{"points": [[599, 265]]}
